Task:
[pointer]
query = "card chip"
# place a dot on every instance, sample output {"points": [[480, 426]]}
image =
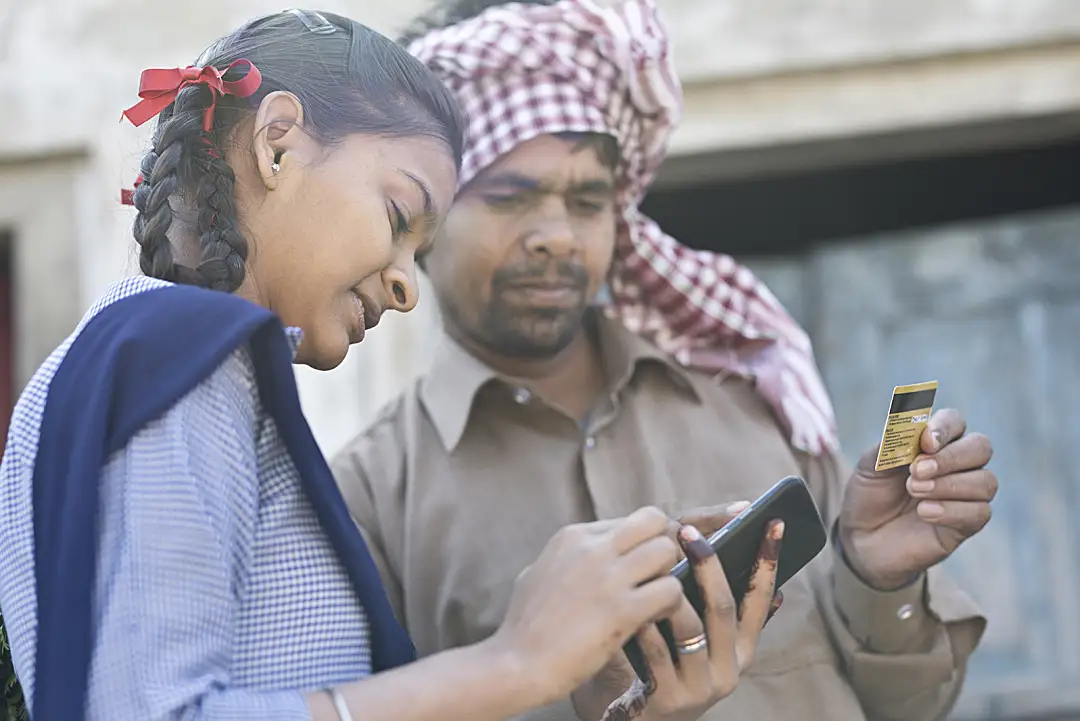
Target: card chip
{"points": [[909, 413]]}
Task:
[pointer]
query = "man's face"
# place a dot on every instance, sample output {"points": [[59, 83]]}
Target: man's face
{"points": [[526, 246]]}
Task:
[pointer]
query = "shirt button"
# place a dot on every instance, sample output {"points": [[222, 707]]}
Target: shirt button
{"points": [[590, 443], [522, 395], [905, 612]]}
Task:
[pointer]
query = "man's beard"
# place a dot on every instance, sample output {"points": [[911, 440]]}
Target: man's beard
{"points": [[536, 334], [530, 332]]}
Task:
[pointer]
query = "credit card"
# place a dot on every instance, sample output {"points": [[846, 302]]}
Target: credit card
{"points": [[909, 413]]}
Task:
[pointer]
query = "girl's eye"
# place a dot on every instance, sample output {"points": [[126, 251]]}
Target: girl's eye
{"points": [[401, 223]]}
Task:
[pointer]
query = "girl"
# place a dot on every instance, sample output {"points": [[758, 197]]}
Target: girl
{"points": [[175, 545]]}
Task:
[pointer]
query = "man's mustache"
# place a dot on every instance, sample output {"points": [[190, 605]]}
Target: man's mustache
{"points": [[561, 272]]}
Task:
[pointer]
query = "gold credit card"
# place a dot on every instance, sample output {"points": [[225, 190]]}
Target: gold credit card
{"points": [[908, 415]]}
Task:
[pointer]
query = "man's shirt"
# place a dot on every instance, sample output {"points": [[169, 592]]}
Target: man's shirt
{"points": [[461, 482]]}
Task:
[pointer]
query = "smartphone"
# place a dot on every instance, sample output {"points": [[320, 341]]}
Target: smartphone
{"points": [[737, 545]]}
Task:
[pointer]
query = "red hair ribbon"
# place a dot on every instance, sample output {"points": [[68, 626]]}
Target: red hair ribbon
{"points": [[159, 87], [127, 197]]}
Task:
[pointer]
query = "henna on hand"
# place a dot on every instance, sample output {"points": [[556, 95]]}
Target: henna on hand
{"points": [[631, 704]]}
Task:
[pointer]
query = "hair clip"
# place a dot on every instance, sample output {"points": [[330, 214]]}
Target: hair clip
{"points": [[313, 21]]}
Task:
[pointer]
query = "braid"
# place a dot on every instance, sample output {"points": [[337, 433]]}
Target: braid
{"points": [[151, 199], [224, 249], [182, 156]]}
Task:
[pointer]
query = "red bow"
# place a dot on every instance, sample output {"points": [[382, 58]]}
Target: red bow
{"points": [[127, 197], [159, 87]]}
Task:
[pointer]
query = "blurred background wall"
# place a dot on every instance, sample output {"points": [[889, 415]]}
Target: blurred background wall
{"points": [[904, 173]]}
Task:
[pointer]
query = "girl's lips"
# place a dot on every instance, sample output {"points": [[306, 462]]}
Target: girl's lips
{"points": [[372, 313], [359, 326]]}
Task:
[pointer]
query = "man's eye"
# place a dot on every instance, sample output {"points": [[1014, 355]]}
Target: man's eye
{"points": [[588, 207], [503, 201]]}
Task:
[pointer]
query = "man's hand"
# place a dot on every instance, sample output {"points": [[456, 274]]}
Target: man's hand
{"points": [[896, 524]]}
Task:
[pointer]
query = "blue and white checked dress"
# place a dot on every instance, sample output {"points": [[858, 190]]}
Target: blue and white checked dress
{"points": [[218, 594]]}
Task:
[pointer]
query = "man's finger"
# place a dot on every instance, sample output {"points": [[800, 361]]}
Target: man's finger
{"points": [[965, 454], [944, 427], [711, 519], [980, 485], [964, 518]]}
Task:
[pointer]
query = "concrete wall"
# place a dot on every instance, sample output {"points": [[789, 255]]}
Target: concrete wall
{"points": [[991, 310], [759, 75], [787, 73]]}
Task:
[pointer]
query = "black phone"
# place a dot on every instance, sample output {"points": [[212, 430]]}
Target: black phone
{"points": [[737, 545]]}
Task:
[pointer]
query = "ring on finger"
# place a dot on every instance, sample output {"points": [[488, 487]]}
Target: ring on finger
{"points": [[693, 645]]}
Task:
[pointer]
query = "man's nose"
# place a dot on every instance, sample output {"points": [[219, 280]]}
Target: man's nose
{"points": [[552, 234]]}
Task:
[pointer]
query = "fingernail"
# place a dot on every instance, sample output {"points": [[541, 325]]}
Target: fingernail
{"points": [[938, 437], [921, 486], [696, 548], [770, 547], [930, 509], [738, 507], [926, 467]]}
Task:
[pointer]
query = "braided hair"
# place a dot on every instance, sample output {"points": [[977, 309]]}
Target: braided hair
{"points": [[349, 78], [179, 159]]}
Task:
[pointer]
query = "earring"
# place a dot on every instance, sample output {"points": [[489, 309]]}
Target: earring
{"points": [[275, 167]]}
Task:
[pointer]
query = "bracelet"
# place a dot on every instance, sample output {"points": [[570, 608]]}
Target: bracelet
{"points": [[339, 704]]}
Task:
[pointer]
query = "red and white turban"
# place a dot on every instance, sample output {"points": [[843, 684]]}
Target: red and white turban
{"points": [[522, 70]]}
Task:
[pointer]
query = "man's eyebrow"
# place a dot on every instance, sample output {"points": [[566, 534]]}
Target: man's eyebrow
{"points": [[431, 212], [597, 186], [525, 183], [510, 179]]}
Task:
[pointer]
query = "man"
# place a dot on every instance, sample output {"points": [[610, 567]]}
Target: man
{"points": [[690, 385]]}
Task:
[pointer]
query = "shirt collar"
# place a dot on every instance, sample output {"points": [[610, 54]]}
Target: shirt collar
{"points": [[624, 353], [449, 390]]}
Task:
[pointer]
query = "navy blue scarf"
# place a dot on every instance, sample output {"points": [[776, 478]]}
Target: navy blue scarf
{"points": [[130, 364]]}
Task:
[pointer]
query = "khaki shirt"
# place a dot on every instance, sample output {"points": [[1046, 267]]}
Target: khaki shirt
{"points": [[460, 482]]}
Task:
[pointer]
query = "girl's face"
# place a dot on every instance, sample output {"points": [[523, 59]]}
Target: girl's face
{"points": [[335, 231]]}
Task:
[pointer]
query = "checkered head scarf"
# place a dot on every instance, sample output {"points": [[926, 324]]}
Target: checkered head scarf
{"points": [[521, 71]]}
